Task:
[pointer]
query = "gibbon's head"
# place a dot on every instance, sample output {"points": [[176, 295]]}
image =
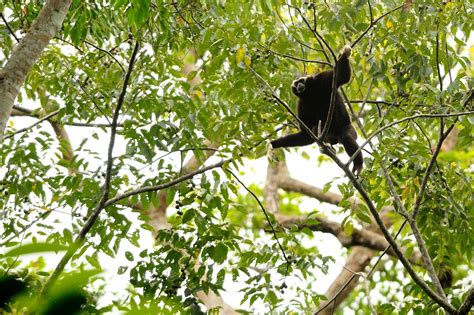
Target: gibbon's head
{"points": [[299, 86]]}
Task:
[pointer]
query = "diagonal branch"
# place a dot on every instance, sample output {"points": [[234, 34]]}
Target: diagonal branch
{"points": [[365, 196], [8, 27], [101, 204], [424, 182], [26, 53], [47, 117], [466, 306]]}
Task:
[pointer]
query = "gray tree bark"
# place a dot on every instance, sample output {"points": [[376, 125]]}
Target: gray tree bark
{"points": [[26, 53]]}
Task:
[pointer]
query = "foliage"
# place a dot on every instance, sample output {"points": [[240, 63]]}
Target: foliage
{"points": [[217, 235]]}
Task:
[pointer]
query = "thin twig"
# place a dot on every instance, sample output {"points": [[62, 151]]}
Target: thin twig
{"points": [[266, 216], [332, 104], [403, 120], [291, 33], [178, 180], [440, 79], [424, 182], [28, 112], [33, 125], [372, 270], [94, 103], [100, 205], [316, 34], [388, 103], [370, 12], [8, 26], [106, 52], [372, 25], [333, 299], [296, 58]]}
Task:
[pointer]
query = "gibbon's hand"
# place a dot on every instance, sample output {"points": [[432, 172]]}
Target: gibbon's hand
{"points": [[271, 153], [346, 51]]}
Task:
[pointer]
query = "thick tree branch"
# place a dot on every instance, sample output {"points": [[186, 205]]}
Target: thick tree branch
{"points": [[26, 53], [365, 196], [359, 237]]}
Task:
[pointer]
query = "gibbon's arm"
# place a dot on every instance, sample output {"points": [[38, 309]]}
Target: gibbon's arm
{"points": [[294, 140], [343, 67]]}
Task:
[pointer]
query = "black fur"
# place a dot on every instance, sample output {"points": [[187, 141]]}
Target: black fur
{"points": [[314, 94]]}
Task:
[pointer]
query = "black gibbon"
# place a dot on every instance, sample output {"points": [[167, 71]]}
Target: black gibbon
{"points": [[314, 94]]}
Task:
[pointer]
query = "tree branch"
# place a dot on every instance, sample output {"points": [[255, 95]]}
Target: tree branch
{"points": [[9, 28], [466, 306], [21, 111], [358, 186], [296, 58], [26, 53], [359, 237], [47, 117], [101, 204], [369, 138], [372, 23], [424, 182]]}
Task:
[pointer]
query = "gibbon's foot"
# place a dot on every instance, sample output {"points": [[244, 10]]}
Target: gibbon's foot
{"points": [[357, 169], [272, 158], [327, 148], [347, 50]]}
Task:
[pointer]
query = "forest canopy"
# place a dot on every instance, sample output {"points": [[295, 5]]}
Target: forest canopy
{"points": [[135, 175]]}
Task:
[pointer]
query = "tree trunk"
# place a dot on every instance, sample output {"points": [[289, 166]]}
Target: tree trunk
{"points": [[26, 53]]}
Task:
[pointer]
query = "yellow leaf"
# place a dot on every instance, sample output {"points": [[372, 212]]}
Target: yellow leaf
{"points": [[247, 61], [240, 54], [389, 24], [198, 94], [349, 227], [11, 123], [406, 192]]}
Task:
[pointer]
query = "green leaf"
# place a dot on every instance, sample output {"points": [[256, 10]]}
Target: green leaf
{"points": [[129, 256], [34, 248], [220, 253], [188, 216]]}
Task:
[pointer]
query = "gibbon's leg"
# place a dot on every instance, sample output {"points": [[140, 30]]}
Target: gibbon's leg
{"points": [[348, 140], [343, 66], [294, 140]]}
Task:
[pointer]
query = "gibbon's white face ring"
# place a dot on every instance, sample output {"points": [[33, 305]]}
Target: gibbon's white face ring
{"points": [[299, 85]]}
